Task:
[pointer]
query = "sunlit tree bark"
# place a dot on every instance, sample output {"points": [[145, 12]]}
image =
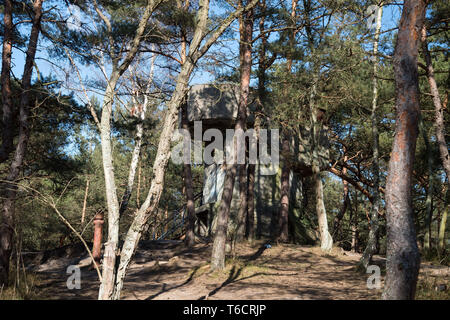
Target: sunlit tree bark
{"points": [[403, 259], [109, 260], [220, 237]]}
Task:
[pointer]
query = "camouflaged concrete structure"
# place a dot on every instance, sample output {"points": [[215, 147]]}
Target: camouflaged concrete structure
{"points": [[216, 106]]}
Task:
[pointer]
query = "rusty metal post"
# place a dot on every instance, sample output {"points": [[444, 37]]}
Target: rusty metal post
{"points": [[98, 232]]}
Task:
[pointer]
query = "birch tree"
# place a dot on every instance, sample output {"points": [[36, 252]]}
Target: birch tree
{"points": [[118, 69], [112, 286], [372, 242]]}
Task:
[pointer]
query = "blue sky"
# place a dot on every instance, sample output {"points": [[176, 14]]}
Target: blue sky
{"points": [[391, 15]]}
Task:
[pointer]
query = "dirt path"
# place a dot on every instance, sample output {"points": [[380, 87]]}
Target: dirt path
{"points": [[168, 271]]}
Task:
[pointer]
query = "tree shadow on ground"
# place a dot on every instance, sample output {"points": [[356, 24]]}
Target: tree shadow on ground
{"points": [[235, 272], [232, 277], [164, 289]]}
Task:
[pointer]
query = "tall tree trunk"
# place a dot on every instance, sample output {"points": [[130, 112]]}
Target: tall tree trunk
{"points": [[243, 205], [246, 38], [190, 204], [241, 169], [429, 199], [133, 167], [440, 137], [189, 240], [282, 232], [109, 256], [138, 187], [9, 188], [340, 215], [218, 251], [326, 241], [220, 236], [83, 211], [262, 66], [403, 258], [372, 244], [109, 267], [250, 231], [354, 224], [443, 225], [8, 119], [283, 212], [345, 201], [439, 110]]}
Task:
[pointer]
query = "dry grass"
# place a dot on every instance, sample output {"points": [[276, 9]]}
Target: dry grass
{"points": [[23, 288], [279, 272], [433, 288]]}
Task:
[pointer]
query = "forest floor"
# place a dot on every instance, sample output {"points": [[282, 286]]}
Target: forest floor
{"points": [[166, 270]]}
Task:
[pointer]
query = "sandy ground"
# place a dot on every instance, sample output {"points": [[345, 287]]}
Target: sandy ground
{"points": [[166, 270]]}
